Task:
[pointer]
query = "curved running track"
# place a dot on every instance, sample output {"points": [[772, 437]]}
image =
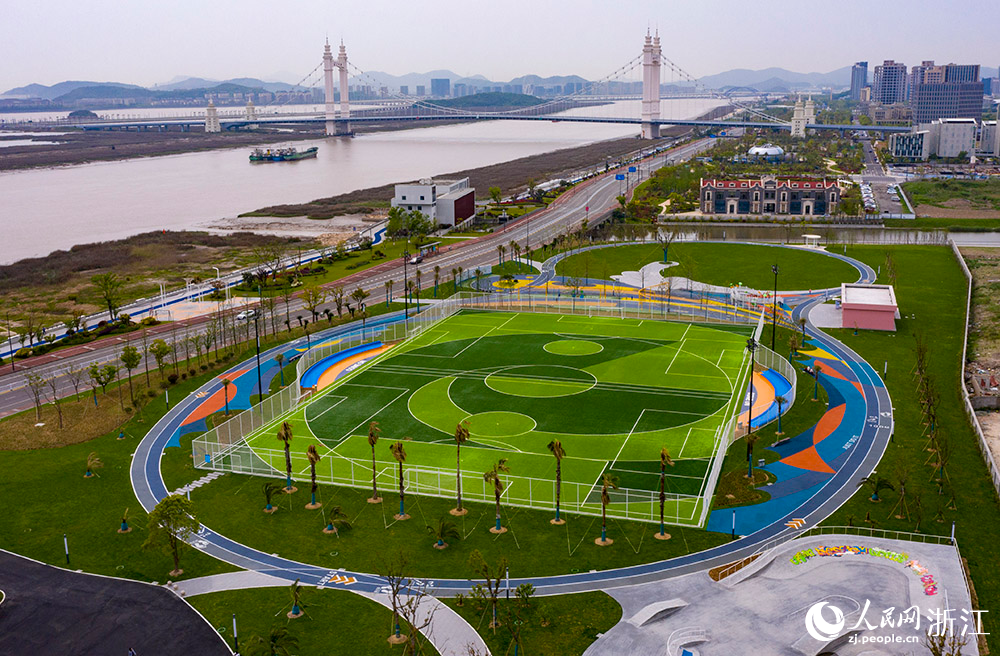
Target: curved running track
{"points": [[870, 425]]}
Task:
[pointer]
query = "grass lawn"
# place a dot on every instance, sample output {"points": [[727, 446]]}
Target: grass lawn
{"points": [[973, 194], [561, 624], [51, 497], [233, 503], [717, 264], [956, 225], [939, 310], [336, 621], [513, 268]]}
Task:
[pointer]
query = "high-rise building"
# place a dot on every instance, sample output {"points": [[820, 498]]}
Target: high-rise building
{"points": [[889, 83], [421, 90], [404, 90], [440, 87], [859, 79], [945, 91], [460, 90]]}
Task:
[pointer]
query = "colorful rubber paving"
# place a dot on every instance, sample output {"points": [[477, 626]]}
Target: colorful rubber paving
{"points": [[817, 471]]}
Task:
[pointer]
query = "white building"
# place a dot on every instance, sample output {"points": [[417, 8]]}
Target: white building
{"points": [[445, 202], [952, 136], [989, 139]]}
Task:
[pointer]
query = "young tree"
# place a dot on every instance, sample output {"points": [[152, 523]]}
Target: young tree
{"points": [[461, 437], [492, 476], [312, 297], [279, 642], [751, 439], [876, 484], [339, 299], [556, 448], [608, 481], [109, 287], [399, 453], [296, 593], [131, 358], [445, 529], [495, 194], [75, 374], [280, 359], [285, 435], [93, 462], [171, 522], [388, 291], [437, 279], [314, 457], [36, 385], [160, 350], [359, 295], [225, 390], [103, 375], [493, 577], [53, 384], [780, 400], [336, 519], [270, 488], [373, 433]]}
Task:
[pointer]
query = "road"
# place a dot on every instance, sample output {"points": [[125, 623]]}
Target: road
{"points": [[565, 213]]}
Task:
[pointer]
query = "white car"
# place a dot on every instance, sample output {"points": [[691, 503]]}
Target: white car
{"points": [[246, 314]]}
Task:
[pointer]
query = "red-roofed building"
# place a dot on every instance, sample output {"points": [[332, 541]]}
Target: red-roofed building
{"points": [[769, 195]]}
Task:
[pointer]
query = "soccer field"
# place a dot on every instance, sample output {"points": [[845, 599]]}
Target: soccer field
{"points": [[613, 391]]}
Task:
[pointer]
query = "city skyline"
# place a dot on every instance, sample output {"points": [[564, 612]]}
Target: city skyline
{"points": [[64, 41]]}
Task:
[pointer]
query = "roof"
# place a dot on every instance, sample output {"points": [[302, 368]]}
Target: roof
{"points": [[747, 184], [877, 295]]}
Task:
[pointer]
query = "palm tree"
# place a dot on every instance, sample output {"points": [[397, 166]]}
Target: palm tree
{"points": [[876, 484], [125, 527], [802, 325], [501, 249], [780, 400], [665, 460], [493, 476], [751, 439], [445, 529], [225, 387], [280, 359], [437, 279], [399, 453], [279, 642], [373, 433], [314, 457], [461, 437], [607, 481], [285, 435], [296, 591], [336, 519], [269, 489], [514, 249], [555, 446], [461, 270], [93, 462], [388, 290]]}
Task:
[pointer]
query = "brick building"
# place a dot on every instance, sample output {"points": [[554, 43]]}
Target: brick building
{"points": [[769, 195]]}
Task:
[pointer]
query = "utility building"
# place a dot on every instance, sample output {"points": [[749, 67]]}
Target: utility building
{"points": [[445, 202]]}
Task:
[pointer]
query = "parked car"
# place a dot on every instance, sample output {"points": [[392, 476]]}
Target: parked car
{"points": [[246, 314]]}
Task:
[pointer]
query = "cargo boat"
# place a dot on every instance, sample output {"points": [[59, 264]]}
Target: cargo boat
{"points": [[281, 154]]}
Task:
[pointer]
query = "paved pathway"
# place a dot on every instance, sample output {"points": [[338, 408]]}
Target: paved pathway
{"points": [[862, 456]]}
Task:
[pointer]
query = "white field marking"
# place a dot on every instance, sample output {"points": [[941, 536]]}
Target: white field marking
{"points": [[502, 444], [476, 341], [342, 399], [684, 443], [348, 434], [657, 474], [625, 441], [676, 353]]}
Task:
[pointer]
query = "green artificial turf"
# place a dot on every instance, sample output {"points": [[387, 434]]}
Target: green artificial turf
{"points": [[717, 264], [522, 380]]}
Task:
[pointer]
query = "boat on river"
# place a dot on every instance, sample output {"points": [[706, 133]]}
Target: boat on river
{"points": [[290, 154]]}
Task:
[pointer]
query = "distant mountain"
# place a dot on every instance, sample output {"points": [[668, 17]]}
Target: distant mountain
{"points": [[547, 81], [777, 77], [56, 90], [142, 94], [187, 83]]}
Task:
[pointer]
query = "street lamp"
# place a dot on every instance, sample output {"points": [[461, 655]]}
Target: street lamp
{"points": [[256, 334], [363, 307], [406, 290], [774, 305], [752, 345]]}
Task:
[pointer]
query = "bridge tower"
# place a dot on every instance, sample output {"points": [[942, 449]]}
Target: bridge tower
{"points": [[799, 119], [331, 111], [251, 115], [212, 118], [651, 87], [345, 101]]}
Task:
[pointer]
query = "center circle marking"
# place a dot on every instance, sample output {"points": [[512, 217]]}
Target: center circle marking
{"points": [[540, 380], [500, 423], [573, 347]]}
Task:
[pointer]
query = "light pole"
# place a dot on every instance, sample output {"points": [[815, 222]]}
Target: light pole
{"points": [[10, 340], [406, 290], [774, 305], [256, 334], [752, 345]]}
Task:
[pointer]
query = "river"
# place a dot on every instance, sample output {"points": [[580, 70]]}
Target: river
{"points": [[56, 208]]}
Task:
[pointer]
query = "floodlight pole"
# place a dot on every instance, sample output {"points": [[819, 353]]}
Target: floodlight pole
{"points": [[406, 291], [774, 305]]}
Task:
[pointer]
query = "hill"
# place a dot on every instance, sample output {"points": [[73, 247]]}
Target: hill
{"points": [[491, 100]]}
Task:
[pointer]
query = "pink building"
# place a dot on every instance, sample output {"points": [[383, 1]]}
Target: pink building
{"points": [[871, 307]]}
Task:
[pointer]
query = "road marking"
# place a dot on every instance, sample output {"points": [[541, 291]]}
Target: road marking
{"points": [[796, 523]]}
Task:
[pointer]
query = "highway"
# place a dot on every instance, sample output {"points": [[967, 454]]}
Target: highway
{"points": [[565, 213]]}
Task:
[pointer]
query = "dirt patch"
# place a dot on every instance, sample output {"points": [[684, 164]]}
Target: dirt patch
{"points": [[81, 422], [990, 422], [958, 208], [984, 329]]}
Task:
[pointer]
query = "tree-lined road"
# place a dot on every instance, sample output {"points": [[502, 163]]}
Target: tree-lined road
{"points": [[566, 213]]}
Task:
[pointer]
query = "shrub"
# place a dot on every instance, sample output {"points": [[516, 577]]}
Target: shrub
{"points": [[151, 393], [193, 372], [204, 367], [172, 378], [184, 375], [22, 352], [149, 321]]}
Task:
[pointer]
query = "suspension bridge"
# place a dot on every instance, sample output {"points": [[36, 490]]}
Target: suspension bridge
{"points": [[337, 117]]}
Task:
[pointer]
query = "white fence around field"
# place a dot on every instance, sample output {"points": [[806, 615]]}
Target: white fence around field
{"points": [[225, 447]]}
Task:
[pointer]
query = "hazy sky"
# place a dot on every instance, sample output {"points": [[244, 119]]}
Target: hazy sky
{"points": [[146, 42]]}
